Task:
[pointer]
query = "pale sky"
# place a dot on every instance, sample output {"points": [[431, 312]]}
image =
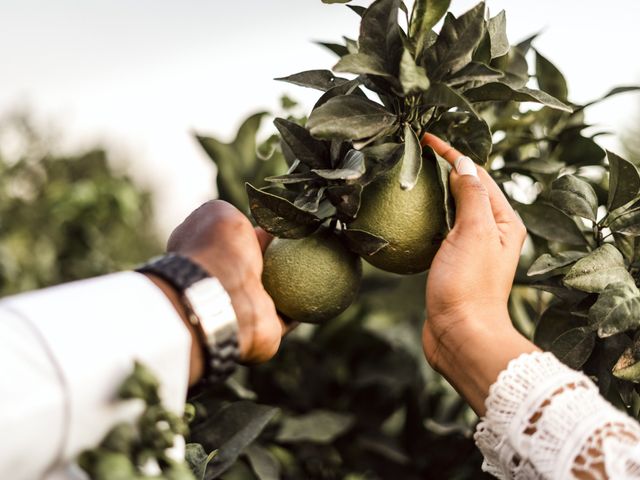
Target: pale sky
{"points": [[140, 75]]}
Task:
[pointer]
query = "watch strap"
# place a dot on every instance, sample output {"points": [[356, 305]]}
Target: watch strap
{"points": [[179, 271]]}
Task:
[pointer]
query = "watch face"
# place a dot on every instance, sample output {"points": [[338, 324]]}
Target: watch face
{"points": [[217, 322], [212, 305]]}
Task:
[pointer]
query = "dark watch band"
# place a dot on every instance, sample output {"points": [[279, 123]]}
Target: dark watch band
{"points": [[179, 271], [209, 310]]}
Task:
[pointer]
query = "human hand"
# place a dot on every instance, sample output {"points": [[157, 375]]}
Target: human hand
{"points": [[470, 280], [221, 239]]}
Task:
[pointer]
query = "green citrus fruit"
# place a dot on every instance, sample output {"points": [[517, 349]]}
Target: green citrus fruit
{"points": [[412, 221], [312, 279]]}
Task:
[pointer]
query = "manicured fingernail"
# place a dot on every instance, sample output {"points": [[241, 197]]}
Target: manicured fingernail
{"points": [[465, 166]]}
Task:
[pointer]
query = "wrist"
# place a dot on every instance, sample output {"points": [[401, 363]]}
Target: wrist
{"points": [[472, 351], [240, 290]]}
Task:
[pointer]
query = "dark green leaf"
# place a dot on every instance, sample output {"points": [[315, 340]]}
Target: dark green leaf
{"points": [[495, 92], [626, 245], [626, 223], [411, 160], [380, 34], [339, 50], [339, 174], [611, 93], [352, 45], [352, 167], [594, 272], [319, 79], [550, 223], [579, 150], [475, 72], [361, 63], [624, 181], [347, 88], [231, 430], [263, 463], [387, 132], [320, 426], [525, 45], [560, 291], [354, 160], [380, 159], [245, 141], [556, 320], [280, 217], [413, 78], [455, 45], [515, 68], [466, 132], [346, 199], [616, 310], [535, 165], [439, 95], [444, 168], [497, 29], [309, 199], [482, 53], [308, 150], [548, 263], [603, 359], [349, 117], [364, 243], [198, 459], [574, 196], [574, 346], [358, 9], [424, 16], [292, 178], [550, 79]]}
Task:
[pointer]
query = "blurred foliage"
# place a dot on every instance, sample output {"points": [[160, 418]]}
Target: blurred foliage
{"points": [[65, 217]]}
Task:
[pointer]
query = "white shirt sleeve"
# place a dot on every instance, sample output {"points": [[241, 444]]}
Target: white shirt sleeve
{"points": [[65, 350], [547, 421]]}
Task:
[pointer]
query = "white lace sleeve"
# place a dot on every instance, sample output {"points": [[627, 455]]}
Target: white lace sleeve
{"points": [[547, 421]]}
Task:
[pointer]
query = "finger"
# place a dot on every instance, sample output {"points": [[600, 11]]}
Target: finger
{"points": [[288, 326], [263, 238], [502, 210], [441, 147], [473, 207]]}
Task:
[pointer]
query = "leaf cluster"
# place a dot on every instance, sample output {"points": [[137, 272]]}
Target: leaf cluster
{"points": [[400, 83], [151, 448], [576, 288]]}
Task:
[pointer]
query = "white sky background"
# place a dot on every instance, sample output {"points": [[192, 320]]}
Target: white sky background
{"points": [[140, 75]]}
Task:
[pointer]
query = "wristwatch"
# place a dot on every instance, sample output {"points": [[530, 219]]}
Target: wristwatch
{"points": [[209, 309]]}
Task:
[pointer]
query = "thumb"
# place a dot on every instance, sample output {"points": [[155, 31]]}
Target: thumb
{"points": [[473, 207], [264, 239]]}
